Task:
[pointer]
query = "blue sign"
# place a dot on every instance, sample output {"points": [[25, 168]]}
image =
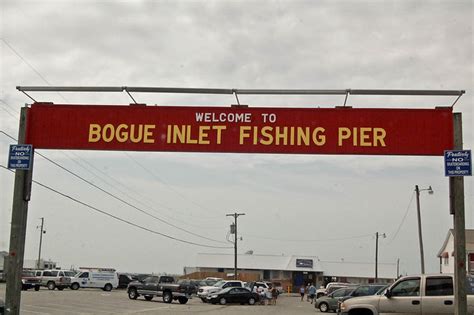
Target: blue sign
{"points": [[458, 163], [20, 157]]}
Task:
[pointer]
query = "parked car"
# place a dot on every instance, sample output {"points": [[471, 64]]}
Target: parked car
{"points": [[102, 278], [258, 284], [419, 294], [233, 295], [192, 284], [30, 281], [326, 303], [163, 286], [124, 279], [331, 287], [53, 279], [204, 292], [362, 290]]}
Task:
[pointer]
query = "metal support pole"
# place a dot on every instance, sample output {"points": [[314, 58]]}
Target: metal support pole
{"points": [[41, 242], [420, 237], [21, 196], [456, 196], [235, 215], [376, 256]]}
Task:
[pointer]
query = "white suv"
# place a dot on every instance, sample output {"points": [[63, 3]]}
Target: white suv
{"points": [[53, 279], [204, 292]]}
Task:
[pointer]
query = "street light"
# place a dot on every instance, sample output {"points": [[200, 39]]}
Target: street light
{"points": [[377, 235], [420, 237]]}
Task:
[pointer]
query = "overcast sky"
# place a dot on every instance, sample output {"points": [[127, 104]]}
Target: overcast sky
{"points": [[294, 204]]}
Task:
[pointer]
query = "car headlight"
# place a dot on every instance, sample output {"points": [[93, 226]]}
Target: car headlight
{"points": [[214, 296], [23, 281], [342, 306]]}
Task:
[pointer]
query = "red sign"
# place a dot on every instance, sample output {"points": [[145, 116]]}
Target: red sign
{"points": [[241, 129]]}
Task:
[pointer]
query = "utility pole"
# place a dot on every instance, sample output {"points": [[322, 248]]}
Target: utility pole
{"points": [[377, 254], [41, 241], [21, 197], [235, 215], [420, 237], [456, 202], [420, 234]]}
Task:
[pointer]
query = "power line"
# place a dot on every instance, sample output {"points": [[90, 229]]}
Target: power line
{"points": [[118, 198], [163, 182], [118, 183], [142, 197], [116, 217], [306, 240], [29, 64], [403, 219]]}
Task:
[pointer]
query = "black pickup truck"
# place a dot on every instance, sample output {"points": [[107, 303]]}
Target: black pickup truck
{"points": [[163, 286]]}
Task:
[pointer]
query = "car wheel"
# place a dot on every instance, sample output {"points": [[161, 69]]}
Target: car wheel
{"points": [[203, 300], [132, 294], [37, 288], [51, 285], [167, 297], [148, 297], [324, 307], [251, 301], [222, 301], [182, 300], [108, 287], [75, 286]]}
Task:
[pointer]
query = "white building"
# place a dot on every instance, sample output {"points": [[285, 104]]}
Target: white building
{"points": [[294, 270], [446, 253]]}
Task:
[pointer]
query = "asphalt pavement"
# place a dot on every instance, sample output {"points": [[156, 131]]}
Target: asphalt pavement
{"points": [[93, 301]]}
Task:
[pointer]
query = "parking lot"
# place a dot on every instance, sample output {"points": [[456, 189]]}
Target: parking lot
{"points": [[91, 301]]}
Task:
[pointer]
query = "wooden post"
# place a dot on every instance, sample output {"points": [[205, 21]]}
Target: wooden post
{"points": [[21, 197], [456, 196]]}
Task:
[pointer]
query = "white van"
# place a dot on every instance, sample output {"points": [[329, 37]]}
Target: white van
{"points": [[103, 278]]}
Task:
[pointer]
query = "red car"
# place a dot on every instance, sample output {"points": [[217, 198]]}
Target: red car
{"points": [[29, 281]]}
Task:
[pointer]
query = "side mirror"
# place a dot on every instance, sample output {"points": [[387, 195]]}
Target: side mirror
{"points": [[388, 293]]}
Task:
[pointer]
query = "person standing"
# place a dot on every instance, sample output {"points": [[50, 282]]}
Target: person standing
{"points": [[274, 295], [306, 290], [302, 292], [312, 293]]}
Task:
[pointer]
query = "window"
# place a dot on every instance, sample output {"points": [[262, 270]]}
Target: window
{"points": [[339, 293], [438, 286], [237, 291], [408, 287], [446, 261], [47, 274], [54, 273], [361, 291], [84, 275]]}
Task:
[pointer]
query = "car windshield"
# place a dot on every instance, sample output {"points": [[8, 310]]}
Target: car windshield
{"points": [[69, 273], [28, 274], [219, 284]]}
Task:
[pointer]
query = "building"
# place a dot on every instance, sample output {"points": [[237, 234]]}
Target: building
{"points": [[291, 271], [44, 264], [446, 253]]}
